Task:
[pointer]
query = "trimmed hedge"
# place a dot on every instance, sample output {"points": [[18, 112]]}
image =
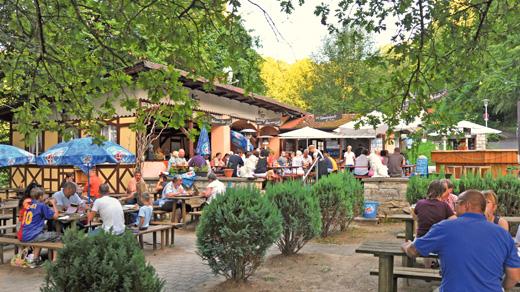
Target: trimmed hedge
{"points": [[340, 197], [236, 230], [506, 187], [300, 214], [104, 262]]}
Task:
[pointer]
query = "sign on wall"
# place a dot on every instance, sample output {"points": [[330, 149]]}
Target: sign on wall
{"points": [[220, 121], [268, 122], [327, 118]]}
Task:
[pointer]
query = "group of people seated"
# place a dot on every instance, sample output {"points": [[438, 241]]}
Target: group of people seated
{"points": [[375, 164], [36, 208], [472, 241]]}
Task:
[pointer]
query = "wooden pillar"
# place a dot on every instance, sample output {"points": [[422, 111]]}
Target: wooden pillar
{"points": [[191, 150]]}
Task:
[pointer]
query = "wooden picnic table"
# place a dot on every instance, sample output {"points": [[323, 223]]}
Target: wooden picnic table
{"points": [[385, 251], [71, 219], [6, 191], [183, 200], [408, 233], [409, 223], [11, 204]]}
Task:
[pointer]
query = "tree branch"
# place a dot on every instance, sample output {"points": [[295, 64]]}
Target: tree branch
{"points": [[482, 19], [94, 34], [40, 29]]}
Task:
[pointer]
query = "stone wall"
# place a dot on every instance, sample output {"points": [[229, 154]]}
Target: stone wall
{"points": [[389, 192]]}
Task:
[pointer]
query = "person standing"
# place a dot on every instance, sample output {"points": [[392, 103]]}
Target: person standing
{"points": [[235, 161], [474, 253], [349, 157], [395, 163], [93, 184]]}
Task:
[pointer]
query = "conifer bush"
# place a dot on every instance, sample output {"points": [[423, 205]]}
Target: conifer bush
{"points": [[340, 197], [301, 217], [100, 263], [236, 230]]}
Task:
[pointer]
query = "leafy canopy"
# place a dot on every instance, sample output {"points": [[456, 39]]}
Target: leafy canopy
{"points": [[66, 59]]}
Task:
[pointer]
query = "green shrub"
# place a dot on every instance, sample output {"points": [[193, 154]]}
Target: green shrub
{"points": [[236, 230], [100, 263], [418, 187], [340, 198], [300, 214], [355, 199], [506, 187]]}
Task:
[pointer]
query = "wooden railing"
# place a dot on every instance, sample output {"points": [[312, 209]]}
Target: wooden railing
{"points": [[50, 177]]}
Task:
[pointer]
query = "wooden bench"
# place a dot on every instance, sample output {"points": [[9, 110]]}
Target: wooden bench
{"points": [[160, 214], [51, 246], [153, 229], [195, 214], [4, 229], [4, 218], [171, 232], [412, 273]]}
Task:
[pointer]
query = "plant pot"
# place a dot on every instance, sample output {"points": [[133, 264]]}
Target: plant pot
{"points": [[228, 172]]}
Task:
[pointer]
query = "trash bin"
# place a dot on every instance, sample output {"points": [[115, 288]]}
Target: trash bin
{"points": [[370, 209]]}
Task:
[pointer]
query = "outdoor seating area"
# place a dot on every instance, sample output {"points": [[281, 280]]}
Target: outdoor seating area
{"points": [[260, 146]]}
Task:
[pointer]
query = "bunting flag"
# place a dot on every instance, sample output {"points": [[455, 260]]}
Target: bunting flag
{"points": [[241, 141]]}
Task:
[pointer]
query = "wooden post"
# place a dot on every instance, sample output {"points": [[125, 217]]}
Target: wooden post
{"points": [[386, 273], [518, 129], [191, 151]]}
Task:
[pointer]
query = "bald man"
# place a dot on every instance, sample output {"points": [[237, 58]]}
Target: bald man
{"points": [[474, 253]]}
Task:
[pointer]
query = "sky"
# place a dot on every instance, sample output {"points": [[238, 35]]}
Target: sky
{"points": [[302, 33]]}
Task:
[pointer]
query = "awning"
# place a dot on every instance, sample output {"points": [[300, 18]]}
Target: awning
{"points": [[309, 133], [365, 130], [476, 128]]}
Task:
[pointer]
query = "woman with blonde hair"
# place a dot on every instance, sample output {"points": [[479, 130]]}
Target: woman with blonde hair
{"points": [[491, 208]]}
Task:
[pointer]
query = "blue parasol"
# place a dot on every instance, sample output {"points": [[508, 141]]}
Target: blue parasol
{"points": [[10, 155], [85, 154], [203, 147]]}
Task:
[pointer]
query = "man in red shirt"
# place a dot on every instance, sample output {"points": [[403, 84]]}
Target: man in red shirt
{"points": [[95, 182]]}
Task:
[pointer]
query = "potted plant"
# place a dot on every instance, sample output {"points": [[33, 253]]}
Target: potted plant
{"points": [[201, 171], [228, 172]]}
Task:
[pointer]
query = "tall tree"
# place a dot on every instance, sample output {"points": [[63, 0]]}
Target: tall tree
{"points": [[284, 81], [344, 71], [437, 44], [66, 58]]}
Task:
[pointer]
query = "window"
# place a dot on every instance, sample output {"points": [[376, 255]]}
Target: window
{"points": [[110, 132], [37, 146]]}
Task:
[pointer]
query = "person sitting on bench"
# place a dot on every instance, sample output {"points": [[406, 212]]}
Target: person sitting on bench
{"points": [[145, 213], [474, 253], [33, 223], [214, 188], [110, 211]]}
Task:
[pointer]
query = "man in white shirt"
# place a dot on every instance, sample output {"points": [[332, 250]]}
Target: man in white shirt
{"points": [[110, 211], [349, 156], [214, 188]]}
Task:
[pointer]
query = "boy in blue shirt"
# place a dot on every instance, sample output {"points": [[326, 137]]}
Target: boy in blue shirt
{"points": [[145, 213], [34, 221]]}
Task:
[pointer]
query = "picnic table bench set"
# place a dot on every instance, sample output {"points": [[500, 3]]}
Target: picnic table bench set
{"points": [[165, 229], [385, 251]]}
